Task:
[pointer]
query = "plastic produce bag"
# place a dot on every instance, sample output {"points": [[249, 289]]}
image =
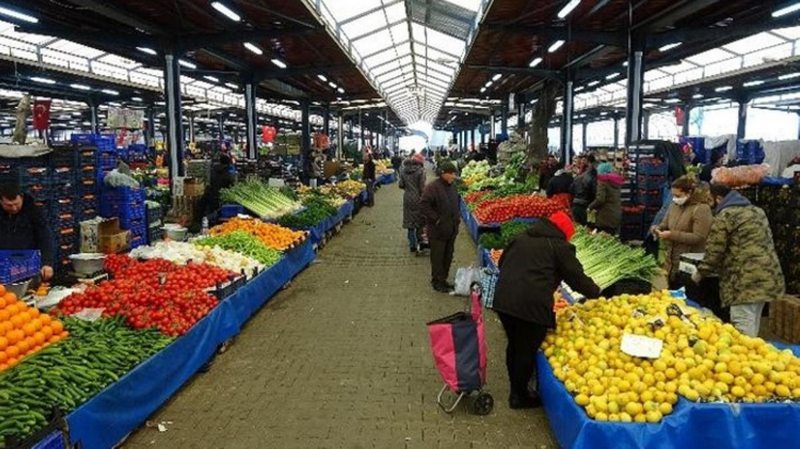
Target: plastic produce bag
{"points": [[465, 276], [744, 175]]}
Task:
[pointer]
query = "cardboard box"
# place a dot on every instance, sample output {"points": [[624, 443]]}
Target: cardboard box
{"points": [[104, 237], [115, 243]]}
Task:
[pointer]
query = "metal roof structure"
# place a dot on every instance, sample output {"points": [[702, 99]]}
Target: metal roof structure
{"points": [[411, 50]]}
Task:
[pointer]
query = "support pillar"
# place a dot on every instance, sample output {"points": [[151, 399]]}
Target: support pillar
{"points": [[191, 127], [350, 128], [584, 141], [566, 120], [646, 125], [150, 132], [339, 135], [504, 119], [633, 117], [305, 140], [742, 120], [616, 132], [221, 127], [472, 138], [326, 120], [687, 111], [521, 115], [93, 117], [251, 124], [172, 92], [492, 130], [360, 131]]}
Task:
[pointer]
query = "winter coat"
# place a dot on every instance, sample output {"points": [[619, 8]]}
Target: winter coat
{"points": [[439, 206], [689, 225], [27, 229], [607, 201], [584, 187], [741, 251], [561, 183], [532, 267], [369, 170], [412, 181]]}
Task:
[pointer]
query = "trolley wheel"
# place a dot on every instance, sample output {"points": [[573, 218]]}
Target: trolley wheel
{"points": [[482, 405]]}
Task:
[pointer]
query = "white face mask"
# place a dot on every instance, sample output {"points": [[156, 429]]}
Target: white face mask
{"points": [[680, 201]]}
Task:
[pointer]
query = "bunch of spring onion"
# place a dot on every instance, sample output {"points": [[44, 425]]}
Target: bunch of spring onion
{"points": [[265, 201], [607, 260]]}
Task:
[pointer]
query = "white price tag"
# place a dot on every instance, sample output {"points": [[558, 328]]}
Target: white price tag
{"points": [[89, 314], [641, 346]]}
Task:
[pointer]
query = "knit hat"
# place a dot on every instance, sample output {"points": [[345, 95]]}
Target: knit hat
{"points": [[605, 168], [447, 167], [564, 224]]}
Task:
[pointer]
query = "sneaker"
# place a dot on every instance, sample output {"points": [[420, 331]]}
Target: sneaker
{"points": [[519, 403]]}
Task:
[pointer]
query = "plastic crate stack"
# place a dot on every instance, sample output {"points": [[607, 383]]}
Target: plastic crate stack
{"points": [[63, 205], [133, 153], [127, 204], [155, 223], [651, 177], [782, 207], [88, 186]]}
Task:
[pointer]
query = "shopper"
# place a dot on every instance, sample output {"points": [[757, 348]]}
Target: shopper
{"points": [[584, 189], [741, 251], [23, 226], [531, 269], [547, 170], [439, 205], [559, 188], [412, 182], [369, 178], [607, 203], [685, 227]]}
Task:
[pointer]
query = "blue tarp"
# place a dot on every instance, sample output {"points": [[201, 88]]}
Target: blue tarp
{"points": [[317, 233], [386, 179], [104, 420], [468, 219]]}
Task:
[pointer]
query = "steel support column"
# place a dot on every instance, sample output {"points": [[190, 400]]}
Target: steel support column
{"points": [[361, 131], [221, 127], [305, 140], [492, 130], [191, 126], [566, 120], [645, 125], [633, 116], [616, 132], [741, 125], [471, 138], [326, 120], [251, 125], [339, 135], [687, 111], [584, 141], [150, 132], [521, 115], [93, 117], [504, 119], [172, 92]]}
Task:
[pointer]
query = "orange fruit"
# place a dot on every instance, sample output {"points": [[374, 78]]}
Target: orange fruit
{"points": [[2, 301], [28, 328], [10, 297], [2, 290], [40, 338], [12, 362], [37, 348], [3, 367], [56, 326], [64, 334], [3, 343], [36, 323], [15, 336], [3, 356], [22, 347], [54, 339], [5, 327], [4, 314], [17, 321], [34, 312], [12, 352], [47, 331], [26, 316], [45, 319], [30, 341]]}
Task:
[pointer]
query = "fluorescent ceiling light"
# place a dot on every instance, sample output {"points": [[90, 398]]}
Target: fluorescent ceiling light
{"points": [[555, 46], [18, 15], [322, 77], [672, 100], [483, 89], [593, 83], [788, 76], [625, 64], [109, 92], [612, 76], [80, 86], [488, 83], [279, 63], [697, 96], [669, 47], [496, 77], [253, 48], [340, 90], [580, 88], [211, 78], [753, 83], [535, 62], [568, 8], [723, 89], [186, 64], [149, 51], [332, 84], [786, 10], [136, 99], [232, 86], [39, 79], [227, 12]]}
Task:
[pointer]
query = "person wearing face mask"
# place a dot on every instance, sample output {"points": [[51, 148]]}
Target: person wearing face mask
{"points": [[685, 227]]}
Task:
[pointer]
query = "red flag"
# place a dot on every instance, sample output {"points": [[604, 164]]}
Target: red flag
{"points": [[268, 133], [679, 115], [41, 114]]}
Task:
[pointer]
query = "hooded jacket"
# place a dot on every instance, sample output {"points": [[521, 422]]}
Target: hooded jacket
{"points": [[440, 208], [741, 251], [584, 187], [532, 267], [607, 201], [412, 181], [27, 229], [689, 225]]}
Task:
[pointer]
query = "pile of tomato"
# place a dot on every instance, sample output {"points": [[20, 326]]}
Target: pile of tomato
{"points": [[474, 197], [151, 294], [501, 210]]}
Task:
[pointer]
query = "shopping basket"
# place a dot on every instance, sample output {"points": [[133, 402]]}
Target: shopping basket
{"points": [[458, 343]]}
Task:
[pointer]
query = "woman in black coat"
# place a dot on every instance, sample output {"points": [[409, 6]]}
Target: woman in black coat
{"points": [[412, 182], [531, 269]]}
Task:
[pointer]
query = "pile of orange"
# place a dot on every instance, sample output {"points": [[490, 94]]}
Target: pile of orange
{"points": [[274, 236], [23, 330]]}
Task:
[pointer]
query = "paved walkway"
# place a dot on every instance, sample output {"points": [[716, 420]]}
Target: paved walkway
{"points": [[341, 360]]}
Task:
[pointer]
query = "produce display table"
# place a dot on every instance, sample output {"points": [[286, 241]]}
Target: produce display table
{"points": [[317, 233], [387, 178], [469, 221], [106, 419]]}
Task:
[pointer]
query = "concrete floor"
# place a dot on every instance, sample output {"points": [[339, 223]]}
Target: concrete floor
{"points": [[341, 359]]}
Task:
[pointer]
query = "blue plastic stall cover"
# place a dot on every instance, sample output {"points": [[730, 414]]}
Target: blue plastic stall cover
{"points": [[317, 232], [104, 420], [53, 441], [469, 220]]}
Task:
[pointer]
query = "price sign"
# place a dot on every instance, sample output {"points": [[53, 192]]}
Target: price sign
{"points": [[641, 346]]}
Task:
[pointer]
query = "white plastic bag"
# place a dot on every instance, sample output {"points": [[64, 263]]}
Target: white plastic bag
{"points": [[465, 276]]}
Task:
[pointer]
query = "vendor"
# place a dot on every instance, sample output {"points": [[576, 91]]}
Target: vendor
{"points": [[210, 202], [23, 226]]}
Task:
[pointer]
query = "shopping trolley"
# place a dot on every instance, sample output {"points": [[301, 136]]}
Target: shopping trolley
{"points": [[458, 343]]}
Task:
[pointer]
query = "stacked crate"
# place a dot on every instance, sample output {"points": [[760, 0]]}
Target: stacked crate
{"points": [[155, 223], [127, 204], [63, 205], [651, 178], [88, 203]]}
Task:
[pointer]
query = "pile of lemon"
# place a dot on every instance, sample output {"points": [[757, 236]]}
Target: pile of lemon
{"points": [[702, 359]]}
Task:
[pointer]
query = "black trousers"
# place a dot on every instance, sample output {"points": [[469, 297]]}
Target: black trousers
{"points": [[370, 192], [524, 340], [580, 213], [441, 258]]}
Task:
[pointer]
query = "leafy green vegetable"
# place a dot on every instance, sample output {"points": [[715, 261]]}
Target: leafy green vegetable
{"points": [[243, 243], [607, 260], [265, 201], [318, 208], [500, 240]]}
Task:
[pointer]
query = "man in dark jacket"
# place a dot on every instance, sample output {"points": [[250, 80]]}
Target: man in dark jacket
{"points": [[531, 268], [584, 189], [560, 183], [439, 205], [369, 179], [23, 226]]}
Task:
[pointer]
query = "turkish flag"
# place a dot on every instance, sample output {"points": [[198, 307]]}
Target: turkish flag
{"points": [[268, 133], [41, 114]]}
